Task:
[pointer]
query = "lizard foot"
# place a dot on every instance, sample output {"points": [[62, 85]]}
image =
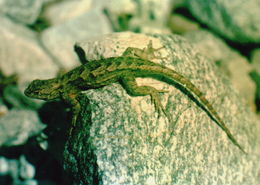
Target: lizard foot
{"points": [[147, 53], [158, 105]]}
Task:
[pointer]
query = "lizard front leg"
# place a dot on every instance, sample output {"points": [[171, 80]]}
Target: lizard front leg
{"points": [[130, 85], [71, 99], [147, 53]]}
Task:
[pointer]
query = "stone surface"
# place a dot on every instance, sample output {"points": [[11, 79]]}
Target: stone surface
{"points": [[236, 20], [21, 54], [58, 13], [229, 61], [17, 126], [60, 39], [120, 139], [24, 11], [210, 45]]}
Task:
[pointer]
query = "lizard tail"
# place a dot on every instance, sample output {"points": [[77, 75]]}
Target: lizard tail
{"points": [[197, 96]]}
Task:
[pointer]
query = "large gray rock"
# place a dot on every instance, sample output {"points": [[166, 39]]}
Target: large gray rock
{"points": [[237, 20], [120, 139], [24, 11]]}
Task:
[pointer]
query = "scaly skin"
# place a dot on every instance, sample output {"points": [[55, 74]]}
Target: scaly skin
{"points": [[123, 69]]}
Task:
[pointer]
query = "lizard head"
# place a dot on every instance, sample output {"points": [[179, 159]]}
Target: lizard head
{"points": [[43, 89]]}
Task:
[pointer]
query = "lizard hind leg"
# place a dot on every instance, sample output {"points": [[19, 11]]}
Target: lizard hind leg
{"points": [[71, 99], [130, 85]]}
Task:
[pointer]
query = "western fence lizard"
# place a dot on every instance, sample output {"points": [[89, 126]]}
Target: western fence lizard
{"points": [[124, 69]]}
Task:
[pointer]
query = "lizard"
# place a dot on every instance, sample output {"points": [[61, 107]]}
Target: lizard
{"points": [[133, 63]]}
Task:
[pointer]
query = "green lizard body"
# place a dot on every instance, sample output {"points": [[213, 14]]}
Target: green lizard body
{"points": [[123, 69]]}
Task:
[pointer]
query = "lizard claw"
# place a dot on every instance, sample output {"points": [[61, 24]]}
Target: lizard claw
{"points": [[158, 105]]}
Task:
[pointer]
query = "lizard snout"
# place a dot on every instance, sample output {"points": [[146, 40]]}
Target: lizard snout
{"points": [[43, 89]]}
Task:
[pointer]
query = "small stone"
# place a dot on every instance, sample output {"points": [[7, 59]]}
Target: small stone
{"points": [[59, 13], [60, 39], [27, 171], [3, 166], [24, 11], [180, 24], [17, 126], [21, 54]]}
